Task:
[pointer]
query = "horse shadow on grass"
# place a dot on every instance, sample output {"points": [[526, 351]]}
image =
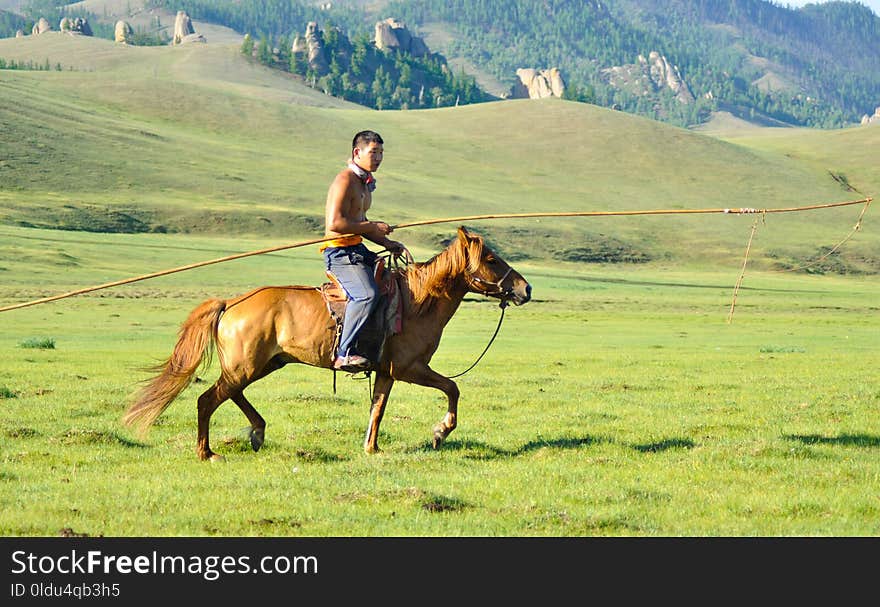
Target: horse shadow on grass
{"points": [[843, 440], [473, 449], [665, 445], [99, 437]]}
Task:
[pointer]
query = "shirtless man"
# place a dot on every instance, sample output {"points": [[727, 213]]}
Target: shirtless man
{"points": [[346, 257]]}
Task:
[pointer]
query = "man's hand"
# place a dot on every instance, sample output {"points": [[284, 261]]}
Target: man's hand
{"points": [[383, 228], [377, 231], [395, 247]]}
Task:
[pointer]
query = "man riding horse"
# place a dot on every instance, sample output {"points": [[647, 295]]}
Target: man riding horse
{"points": [[262, 331], [347, 259]]}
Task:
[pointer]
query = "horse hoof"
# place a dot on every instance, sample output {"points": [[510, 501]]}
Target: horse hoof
{"points": [[372, 450], [258, 437], [215, 458], [439, 437]]}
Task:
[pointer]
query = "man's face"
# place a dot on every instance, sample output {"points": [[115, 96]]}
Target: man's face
{"points": [[369, 157]]}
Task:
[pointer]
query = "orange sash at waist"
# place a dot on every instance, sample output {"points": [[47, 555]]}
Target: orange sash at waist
{"points": [[343, 241]]}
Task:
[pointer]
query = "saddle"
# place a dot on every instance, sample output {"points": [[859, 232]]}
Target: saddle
{"points": [[384, 321]]}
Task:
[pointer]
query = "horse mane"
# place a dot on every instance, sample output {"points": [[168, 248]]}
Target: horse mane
{"points": [[434, 278]]}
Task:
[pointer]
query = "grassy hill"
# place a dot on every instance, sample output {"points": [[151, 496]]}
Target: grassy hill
{"points": [[197, 139]]}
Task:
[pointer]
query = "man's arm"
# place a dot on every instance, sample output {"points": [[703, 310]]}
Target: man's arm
{"points": [[384, 241]]}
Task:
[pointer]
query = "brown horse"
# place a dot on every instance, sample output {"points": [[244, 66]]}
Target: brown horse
{"points": [[263, 330]]}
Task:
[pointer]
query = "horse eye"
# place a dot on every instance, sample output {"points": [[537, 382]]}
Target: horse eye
{"points": [[491, 259]]}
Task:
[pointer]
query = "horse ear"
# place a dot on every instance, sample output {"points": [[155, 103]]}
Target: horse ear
{"points": [[463, 235]]}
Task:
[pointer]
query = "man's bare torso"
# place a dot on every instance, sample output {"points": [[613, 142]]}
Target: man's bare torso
{"points": [[356, 199]]}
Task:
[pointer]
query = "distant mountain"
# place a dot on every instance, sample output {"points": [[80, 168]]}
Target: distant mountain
{"points": [[815, 66], [678, 61]]}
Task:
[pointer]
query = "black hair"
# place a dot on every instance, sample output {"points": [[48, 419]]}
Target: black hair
{"points": [[365, 138]]}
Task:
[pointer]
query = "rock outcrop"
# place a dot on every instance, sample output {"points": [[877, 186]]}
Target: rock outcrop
{"points": [[875, 119], [665, 74], [311, 47], [123, 32], [538, 84], [184, 32], [393, 34], [77, 26], [315, 43], [649, 76], [41, 27], [300, 46], [19, 34]]}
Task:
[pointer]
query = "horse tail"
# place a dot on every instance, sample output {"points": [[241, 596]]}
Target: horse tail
{"points": [[195, 344]]}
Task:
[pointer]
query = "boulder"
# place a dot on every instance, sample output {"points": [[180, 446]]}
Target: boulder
{"points": [[875, 119], [317, 58], [19, 34], [538, 84], [385, 37], [393, 34], [194, 37], [82, 26], [299, 45], [75, 27], [41, 27], [649, 76], [663, 74], [184, 32], [123, 32]]}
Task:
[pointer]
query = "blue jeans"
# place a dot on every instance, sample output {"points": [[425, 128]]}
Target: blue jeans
{"points": [[353, 268]]}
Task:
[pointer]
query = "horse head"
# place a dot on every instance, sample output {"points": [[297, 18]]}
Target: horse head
{"points": [[486, 273]]}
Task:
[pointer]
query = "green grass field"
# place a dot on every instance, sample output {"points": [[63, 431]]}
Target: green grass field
{"points": [[619, 402]]}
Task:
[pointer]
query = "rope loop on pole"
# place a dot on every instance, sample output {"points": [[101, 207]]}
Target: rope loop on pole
{"points": [[740, 211]]}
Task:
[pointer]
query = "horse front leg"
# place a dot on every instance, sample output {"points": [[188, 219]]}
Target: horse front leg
{"points": [[425, 376], [381, 391]]}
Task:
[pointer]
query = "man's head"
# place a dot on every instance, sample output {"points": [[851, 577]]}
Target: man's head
{"points": [[367, 150]]}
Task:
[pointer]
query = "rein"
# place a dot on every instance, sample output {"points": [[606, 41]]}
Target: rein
{"points": [[503, 306], [498, 290]]}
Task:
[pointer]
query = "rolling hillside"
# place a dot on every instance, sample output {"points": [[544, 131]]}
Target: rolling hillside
{"points": [[197, 139]]}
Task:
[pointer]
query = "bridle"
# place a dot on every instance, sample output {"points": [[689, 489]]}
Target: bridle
{"points": [[497, 288], [490, 289]]}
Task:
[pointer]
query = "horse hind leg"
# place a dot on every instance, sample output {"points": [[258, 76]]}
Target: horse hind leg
{"points": [[208, 402], [257, 433], [258, 424]]}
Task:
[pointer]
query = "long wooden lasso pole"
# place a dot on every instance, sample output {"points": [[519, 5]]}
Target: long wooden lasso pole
{"points": [[192, 266]]}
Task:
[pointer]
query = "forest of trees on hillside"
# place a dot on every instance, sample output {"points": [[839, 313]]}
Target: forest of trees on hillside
{"points": [[360, 72], [10, 23], [272, 18], [831, 50], [824, 46]]}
